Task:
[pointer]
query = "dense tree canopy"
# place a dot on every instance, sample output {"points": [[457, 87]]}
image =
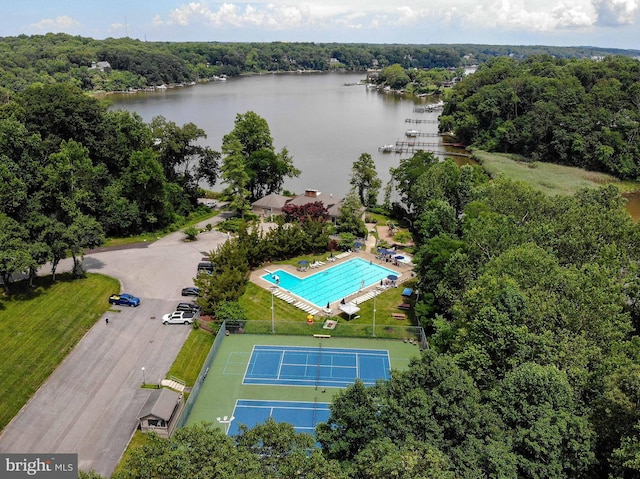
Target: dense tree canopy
{"points": [[251, 167], [72, 172], [134, 64], [576, 112]]}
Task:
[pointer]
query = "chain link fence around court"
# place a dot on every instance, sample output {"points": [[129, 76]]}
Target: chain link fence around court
{"points": [[413, 334], [338, 329], [195, 390]]}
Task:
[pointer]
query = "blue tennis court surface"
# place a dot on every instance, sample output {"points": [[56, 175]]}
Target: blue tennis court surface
{"points": [[309, 366], [302, 415]]}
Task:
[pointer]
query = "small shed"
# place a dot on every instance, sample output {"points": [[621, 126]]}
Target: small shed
{"points": [[160, 412]]}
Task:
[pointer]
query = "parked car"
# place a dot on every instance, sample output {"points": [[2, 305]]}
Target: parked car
{"points": [[206, 267], [192, 307], [191, 291], [124, 299], [179, 317], [211, 204]]}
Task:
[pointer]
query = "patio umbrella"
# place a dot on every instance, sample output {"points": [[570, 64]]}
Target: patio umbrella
{"points": [[392, 277], [350, 309], [303, 262]]}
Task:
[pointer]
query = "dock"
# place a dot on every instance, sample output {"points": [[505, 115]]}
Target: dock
{"points": [[417, 120], [427, 109], [423, 134], [419, 144]]}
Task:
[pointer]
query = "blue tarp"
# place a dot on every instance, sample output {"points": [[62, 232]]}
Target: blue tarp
{"points": [[407, 292]]}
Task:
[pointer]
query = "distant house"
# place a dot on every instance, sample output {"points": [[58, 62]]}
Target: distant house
{"points": [[161, 411], [269, 205], [272, 204], [330, 202], [102, 66]]}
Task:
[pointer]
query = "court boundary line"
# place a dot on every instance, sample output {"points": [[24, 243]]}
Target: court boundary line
{"points": [[278, 380]]}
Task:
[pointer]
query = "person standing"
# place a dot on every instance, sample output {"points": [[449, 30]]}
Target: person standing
{"points": [[106, 320]]}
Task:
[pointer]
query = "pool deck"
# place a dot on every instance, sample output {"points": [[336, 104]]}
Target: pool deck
{"points": [[403, 270]]}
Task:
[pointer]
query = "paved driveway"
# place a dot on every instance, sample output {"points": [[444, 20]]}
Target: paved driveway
{"points": [[89, 405]]}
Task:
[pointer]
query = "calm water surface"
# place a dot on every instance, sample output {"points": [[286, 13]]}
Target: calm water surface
{"points": [[324, 120]]}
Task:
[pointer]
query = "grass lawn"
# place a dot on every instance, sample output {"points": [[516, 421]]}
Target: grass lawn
{"points": [[194, 218], [548, 177], [257, 304], [40, 326], [192, 355]]}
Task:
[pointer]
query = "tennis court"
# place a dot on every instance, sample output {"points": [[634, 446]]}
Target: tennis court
{"points": [[304, 416], [225, 393], [315, 366]]}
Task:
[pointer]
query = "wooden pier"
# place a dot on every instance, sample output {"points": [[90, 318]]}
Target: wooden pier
{"points": [[417, 144], [416, 120], [426, 109], [435, 152], [423, 134], [413, 146]]}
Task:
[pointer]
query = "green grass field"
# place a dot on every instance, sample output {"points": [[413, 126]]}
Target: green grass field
{"points": [[40, 326], [223, 384], [548, 177]]}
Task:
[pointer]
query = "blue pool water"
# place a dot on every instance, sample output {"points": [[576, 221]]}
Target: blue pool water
{"points": [[332, 284]]}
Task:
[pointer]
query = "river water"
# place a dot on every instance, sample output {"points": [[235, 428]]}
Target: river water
{"points": [[326, 121]]}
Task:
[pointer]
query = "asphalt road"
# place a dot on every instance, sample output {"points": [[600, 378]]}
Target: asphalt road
{"points": [[90, 404]]}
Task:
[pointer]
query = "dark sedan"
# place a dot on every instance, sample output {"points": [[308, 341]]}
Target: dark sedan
{"points": [[190, 291], [191, 307]]}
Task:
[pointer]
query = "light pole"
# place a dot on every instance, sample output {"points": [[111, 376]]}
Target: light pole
{"points": [[143, 378], [273, 310], [373, 334], [226, 422]]}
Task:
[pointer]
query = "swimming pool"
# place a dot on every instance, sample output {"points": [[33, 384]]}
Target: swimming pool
{"points": [[332, 284]]}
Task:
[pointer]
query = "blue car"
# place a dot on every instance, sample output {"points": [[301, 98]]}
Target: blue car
{"points": [[124, 299]]}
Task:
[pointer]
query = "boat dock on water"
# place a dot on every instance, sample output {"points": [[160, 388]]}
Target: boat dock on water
{"points": [[417, 120]]}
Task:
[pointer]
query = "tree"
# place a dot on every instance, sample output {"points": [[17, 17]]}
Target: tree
{"points": [[250, 144], [314, 211], [183, 160], [405, 176], [410, 460], [84, 232], [284, 453], [364, 179], [350, 220], [235, 174], [230, 311], [143, 183], [550, 437], [199, 451], [352, 423], [395, 76], [14, 255]]}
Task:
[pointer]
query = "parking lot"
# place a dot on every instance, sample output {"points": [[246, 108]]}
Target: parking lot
{"points": [[89, 405]]}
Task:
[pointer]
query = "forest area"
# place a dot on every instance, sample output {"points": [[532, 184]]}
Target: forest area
{"points": [[574, 112], [134, 64], [531, 302]]}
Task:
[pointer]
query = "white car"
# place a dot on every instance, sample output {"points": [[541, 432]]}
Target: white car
{"points": [[179, 317], [211, 204]]}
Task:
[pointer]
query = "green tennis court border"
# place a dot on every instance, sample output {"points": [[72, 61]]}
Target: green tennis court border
{"points": [[222, 385]]}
